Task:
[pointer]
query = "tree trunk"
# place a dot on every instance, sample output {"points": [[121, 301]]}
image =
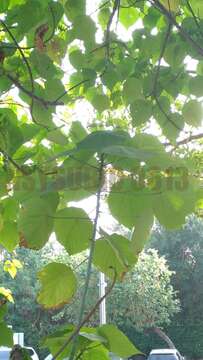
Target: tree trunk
{"points": [[163, 336]]}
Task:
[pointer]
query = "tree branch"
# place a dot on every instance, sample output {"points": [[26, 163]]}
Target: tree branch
{"points": [[194, 16], [26, 63], [85, 320], [90, 260], [182, 32], [186, 140], [45, 103], [164, 337], [12, 161], [108, 28]]}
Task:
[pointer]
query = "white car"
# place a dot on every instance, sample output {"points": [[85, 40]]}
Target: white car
{"points": [[165, 354], [5, 353]]}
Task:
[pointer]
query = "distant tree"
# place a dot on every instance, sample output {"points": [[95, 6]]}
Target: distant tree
{"points": [[184, 252], [147, 300]]}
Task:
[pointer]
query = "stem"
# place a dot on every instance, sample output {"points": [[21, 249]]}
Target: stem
{"points": [[182, 32], [90, 260], [86, 319]]}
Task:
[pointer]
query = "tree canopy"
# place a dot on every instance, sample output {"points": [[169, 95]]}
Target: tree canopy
{"points": [[92, 91]]}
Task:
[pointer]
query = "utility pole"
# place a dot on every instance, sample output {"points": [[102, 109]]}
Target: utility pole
{"points": [[102, 289]]}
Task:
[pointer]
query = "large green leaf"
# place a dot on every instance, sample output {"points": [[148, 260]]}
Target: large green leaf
{"points": [[172, 205], [128, 16], [100, 102], [59, 285], [6, 338], [42, 64], [9, 131], [84, 28], [192, 113], [127, 200], [99, 140], [141, 111], [113, 255], [96, 353], [118, 343], [74, 8], [4, 5], [195, 86], [9, 236], [142, 226], [132, 90], [36, 220], [73, 229]]}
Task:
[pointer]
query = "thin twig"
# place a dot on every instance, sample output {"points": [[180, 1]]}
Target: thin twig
{"points": [[186, 140], [154, 90], [26, 63], [163, 49], [86, 319], [41, 100], [182, 32], [194, 16], [12, 161], [108, 28], [90, 260]]}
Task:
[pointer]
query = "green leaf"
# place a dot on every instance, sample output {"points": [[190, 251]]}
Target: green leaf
{"points": [[103, 17], [171, 5], [19, 15], [5, 84], [77, 132], [192, 113], [84, 28], [36, 220], [128, 16], [171, 206], [127, 200], [55, 89], [142, 227], [4, 5], [57, 137], [118, 343], [42, 64], [113, 255], [73, 229], [74, 8], [175, 54], [42, 115], [99, 353], [132, 90], [77, 59], [111, 77], [59, 285], [141, 111], [6, 338], [3, 311], [9, 131], [170, 123], [100, 102], [197, 6], [98, 141], [9, 236], [196, 86]]}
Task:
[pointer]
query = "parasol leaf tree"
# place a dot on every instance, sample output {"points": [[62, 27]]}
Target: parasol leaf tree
{"points": [[79, 92]]}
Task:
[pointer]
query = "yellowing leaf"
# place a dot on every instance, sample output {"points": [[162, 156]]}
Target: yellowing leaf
{"points": [[58, 285], [10, 268], [17, 264], [7, 294]]}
